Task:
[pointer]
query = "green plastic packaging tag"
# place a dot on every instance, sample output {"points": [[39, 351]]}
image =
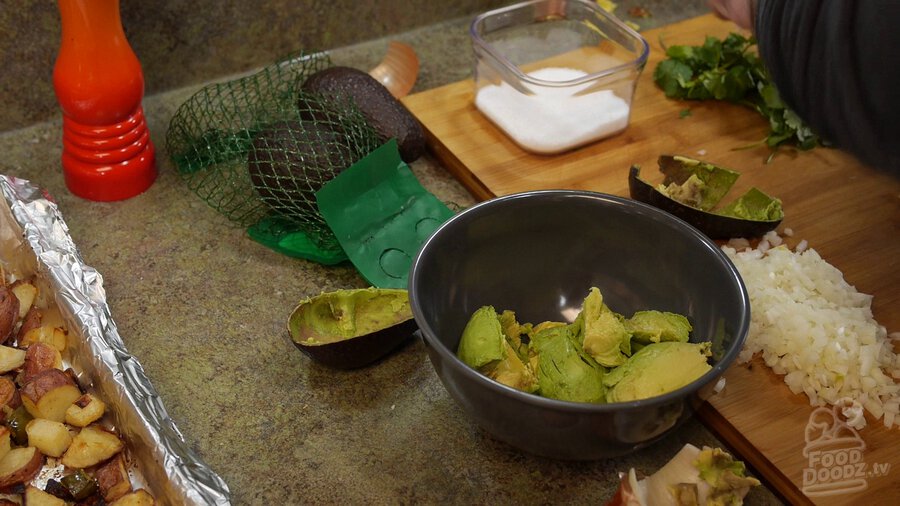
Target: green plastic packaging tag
{"points": [[288, 238], [381, 215]]}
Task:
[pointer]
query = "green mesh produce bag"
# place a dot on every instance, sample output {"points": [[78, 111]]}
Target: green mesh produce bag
{"points": [[257, 149]]}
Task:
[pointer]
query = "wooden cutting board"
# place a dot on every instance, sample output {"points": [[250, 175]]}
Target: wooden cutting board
{"points": [[849, 213]]}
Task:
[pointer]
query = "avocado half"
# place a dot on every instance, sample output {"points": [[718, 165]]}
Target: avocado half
{"points": [[713, 224], [347, 329]]}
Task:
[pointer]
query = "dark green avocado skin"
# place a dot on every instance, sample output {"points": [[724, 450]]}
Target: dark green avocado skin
{"points": [[351, 328], [714, 226], [362, 350], [384, 113], [289, 161]]}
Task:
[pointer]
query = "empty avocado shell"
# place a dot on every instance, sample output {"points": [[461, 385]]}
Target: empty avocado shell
{"points": [[352, 328], [700, 187]]}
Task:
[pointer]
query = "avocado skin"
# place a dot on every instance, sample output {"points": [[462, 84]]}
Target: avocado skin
{"points": [[289, 161], [384, 113], [348, 329], [714, 226], [363, 350]]}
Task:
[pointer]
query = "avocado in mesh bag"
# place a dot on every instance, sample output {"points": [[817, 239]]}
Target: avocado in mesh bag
{"points": [[290, 160], [384, 113], [257, 148]]}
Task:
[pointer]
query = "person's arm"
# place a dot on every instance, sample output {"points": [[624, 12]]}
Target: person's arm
{"points": [[742, 12], [836, 63]]}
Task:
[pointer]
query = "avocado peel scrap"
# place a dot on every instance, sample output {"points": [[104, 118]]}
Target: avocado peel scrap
{"points": [[693, 190], [693, 476]]}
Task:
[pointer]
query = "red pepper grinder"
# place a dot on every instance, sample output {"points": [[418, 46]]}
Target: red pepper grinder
{"points": [[107, 153]]}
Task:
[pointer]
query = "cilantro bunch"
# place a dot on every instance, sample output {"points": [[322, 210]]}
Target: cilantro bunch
{"points": [[730, 70]]}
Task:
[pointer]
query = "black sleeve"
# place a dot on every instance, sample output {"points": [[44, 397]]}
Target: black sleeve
{"points": [[837, 64]]}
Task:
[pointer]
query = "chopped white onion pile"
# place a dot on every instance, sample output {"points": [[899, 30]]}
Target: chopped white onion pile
{"points": [[817, 330]]}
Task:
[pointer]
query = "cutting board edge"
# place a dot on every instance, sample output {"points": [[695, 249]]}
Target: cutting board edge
{"points": [[457, 168], [765, 470]]}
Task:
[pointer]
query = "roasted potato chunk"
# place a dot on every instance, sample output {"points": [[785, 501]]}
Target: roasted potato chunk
{"points": [[37, 497], [11, 359], [25, 292], [9, 397], [51, 438], [20, 465], [112, 477], [85, 411], [5, 441], [9, 313], [49, 394], [33, 319], [139, 497], [54, 336], [91, 446], [40, 357]]}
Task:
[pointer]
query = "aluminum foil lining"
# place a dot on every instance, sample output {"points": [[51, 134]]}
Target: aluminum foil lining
{"points": [[34, 237]]}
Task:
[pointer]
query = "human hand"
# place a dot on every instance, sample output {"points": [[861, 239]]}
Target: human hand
{"points": [[738, 11]]}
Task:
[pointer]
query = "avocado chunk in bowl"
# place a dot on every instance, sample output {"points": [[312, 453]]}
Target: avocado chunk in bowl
{"points": [[601, 357]]}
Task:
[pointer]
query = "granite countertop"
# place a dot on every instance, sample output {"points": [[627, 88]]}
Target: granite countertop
{"points": [[204, 309]]}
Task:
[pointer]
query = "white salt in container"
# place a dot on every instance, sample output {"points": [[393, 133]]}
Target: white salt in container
{"points": [[556, 74]]}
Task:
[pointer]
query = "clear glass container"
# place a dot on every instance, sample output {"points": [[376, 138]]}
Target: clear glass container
{"points": [[556, 74]]}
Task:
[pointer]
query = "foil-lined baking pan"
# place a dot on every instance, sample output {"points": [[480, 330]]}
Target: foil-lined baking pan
{"points": [[35, 241]]}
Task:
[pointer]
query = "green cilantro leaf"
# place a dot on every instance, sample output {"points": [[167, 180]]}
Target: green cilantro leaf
{"points": [[730, 70]]}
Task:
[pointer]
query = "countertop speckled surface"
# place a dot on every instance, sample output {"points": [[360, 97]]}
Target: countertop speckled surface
{"points": [[204, 308]]}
